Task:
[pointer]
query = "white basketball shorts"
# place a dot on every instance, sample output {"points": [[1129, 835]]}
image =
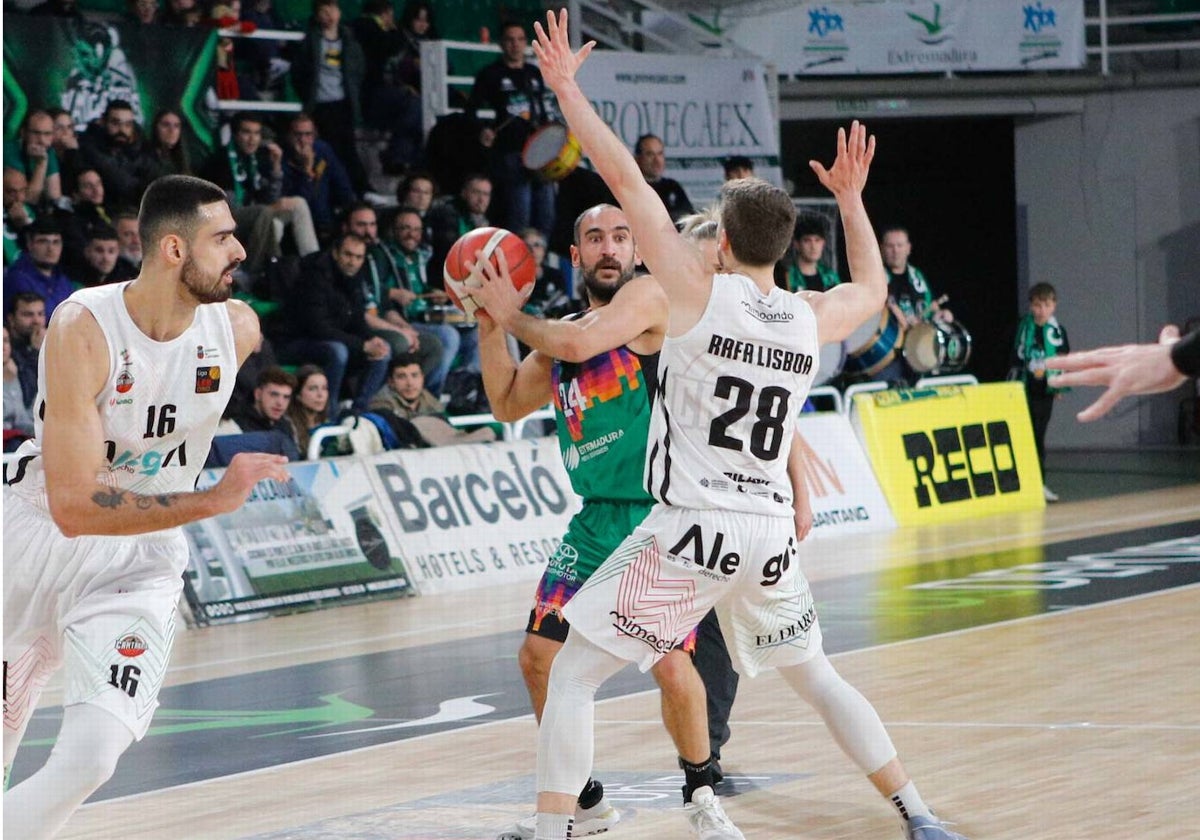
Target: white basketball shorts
{"points": [[678, 564], [103, 607]]}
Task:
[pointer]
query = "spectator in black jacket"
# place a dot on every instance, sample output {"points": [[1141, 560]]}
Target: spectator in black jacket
{"points": [[102, 260], [114, 148], [451, 219], [269, 411], [651, 158], [324, 321], [66, 146], [328, 74]]}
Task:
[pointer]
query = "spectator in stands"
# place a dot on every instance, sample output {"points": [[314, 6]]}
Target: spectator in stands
{"points": [[310, 404], [449, 220], [18, 421], [251, 173], [328, 74], [417, 299], [140, 12], [114, 148], [26, 323], [324, 321], [242, 397], [131, 242], [269, 411], [33, 153], [380, 281], [909, 293], [102, 259], [181, 13], [230, 82], [58, 8], [166, 144], [263, 54], [66, 147], [37, 270], [18, 215], [88, 211], [416, 191], [651, 158], [313, 171], [803, 267], [405, 396], [392, 89], [738, 166], [549, 297], [515, 92]]}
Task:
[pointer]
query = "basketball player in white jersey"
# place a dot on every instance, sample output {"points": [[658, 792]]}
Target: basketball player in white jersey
{"points": [[133, 378], [735, 368]]}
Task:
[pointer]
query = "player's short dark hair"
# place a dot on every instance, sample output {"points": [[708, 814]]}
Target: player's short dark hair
{"points": [[23, 297], [241, 117], [43, 226], [758, 219], [884, 231], [406, 182], [342, 238], [810, 224], [275, 375], [1042, 291], [172, 205], [738, 162]]}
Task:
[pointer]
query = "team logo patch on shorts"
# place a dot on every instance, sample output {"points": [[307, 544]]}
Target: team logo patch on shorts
{"points": [[131, 645], [208, 379]]}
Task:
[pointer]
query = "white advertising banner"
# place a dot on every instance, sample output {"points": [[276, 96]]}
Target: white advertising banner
{"points": [[918, 36], [844, 493], [704, 110], [471, 516]]}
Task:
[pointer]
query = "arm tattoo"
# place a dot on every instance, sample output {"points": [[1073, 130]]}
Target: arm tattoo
{"points": [[111, 498]]}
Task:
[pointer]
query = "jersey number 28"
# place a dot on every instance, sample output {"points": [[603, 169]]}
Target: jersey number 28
{"points": [[770, 411]]}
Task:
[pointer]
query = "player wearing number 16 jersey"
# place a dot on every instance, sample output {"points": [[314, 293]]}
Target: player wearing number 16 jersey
{"points": [[133, 378], [734, 370]]}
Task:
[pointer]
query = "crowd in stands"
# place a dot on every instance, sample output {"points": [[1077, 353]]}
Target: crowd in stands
{"points": [[346, 278]]}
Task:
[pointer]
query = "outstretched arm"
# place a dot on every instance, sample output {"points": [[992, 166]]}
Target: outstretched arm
{"points": [[675, 264], [841, 309], [638, 307], [513, 391], [1128, 369]]}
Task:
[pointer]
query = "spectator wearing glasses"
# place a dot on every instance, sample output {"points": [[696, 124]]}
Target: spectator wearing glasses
{"points": [[313, 171], [114, 149]]}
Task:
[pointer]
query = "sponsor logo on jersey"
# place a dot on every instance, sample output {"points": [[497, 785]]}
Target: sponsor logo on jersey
{"points": [[124, 382], [766, 317], [131, 645], [571, 457], [203, 352], [787, 634], [208, 379], [747, 479], [628, 627]]}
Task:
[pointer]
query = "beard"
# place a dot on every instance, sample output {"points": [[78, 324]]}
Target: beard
{"points": [[194, 281], [600, 291]]}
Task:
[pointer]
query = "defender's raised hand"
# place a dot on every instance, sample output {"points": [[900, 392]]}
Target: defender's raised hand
{"points": [[854, 155], [552, 46]]}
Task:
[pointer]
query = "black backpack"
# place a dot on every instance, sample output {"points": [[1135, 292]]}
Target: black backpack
{"points": [[466, 394]]}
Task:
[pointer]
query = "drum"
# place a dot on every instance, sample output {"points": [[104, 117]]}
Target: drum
{"points": [[873, 346], [552, 152], [832, 357], [937, 347], [446, 314]]}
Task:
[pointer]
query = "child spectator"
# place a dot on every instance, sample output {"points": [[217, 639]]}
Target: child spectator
{"points": [[1039, 337]]}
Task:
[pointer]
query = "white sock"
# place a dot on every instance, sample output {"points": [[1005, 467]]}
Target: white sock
{"points": [[909, 803], [553, 826]]}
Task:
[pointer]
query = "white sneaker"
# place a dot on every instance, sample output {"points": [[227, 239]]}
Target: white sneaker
{"points": [[595, 820], [708, 818], [1050, 495]]}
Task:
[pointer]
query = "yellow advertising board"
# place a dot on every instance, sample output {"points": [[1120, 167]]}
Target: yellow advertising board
{"points": [[953, 451]]}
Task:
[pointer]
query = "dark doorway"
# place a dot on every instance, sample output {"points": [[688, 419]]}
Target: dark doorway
{"points": [[950, 182]]}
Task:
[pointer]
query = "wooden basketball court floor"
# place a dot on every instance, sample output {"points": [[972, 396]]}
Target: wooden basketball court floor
{"points": [[1040, 680]]}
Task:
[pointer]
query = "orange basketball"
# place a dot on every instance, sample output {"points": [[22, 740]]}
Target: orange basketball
{"points": [[487, 240]]}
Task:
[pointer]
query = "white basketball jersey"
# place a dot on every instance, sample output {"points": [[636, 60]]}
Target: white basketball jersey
{"points": [[159, 406], [729, 393]]}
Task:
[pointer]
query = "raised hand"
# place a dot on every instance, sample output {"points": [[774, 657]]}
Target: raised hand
{"points": [[848, 175], [493, 288], [552, 46]]}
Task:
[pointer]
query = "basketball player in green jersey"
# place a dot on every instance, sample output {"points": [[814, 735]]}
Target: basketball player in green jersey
{"points": [[598, 369]]}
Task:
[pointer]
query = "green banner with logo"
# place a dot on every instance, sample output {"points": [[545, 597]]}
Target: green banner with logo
{"points": [[83, 65]]}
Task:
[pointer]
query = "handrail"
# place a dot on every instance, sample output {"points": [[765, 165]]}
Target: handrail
{"points": [[1106, 22]]}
